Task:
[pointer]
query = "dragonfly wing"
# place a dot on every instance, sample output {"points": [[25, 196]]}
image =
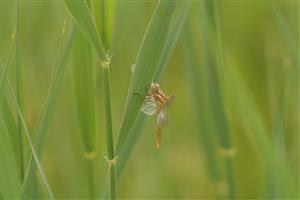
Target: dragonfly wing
{"points": [[162, 119], [170, 100], [149, 106]]}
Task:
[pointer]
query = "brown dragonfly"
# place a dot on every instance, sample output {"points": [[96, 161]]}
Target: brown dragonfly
{"points": [[156, 102]]}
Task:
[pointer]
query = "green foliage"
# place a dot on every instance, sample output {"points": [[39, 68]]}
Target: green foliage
{"points": [[104, 12], [85, 22], [47, 112], [234, 127], [146, 64], [84, 88]]}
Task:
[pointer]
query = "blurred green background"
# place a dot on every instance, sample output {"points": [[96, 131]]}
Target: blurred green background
{"points": [[260, 42]]}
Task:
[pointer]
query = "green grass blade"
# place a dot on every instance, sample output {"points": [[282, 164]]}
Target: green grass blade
{"points": [[84, 20], [133, 137], [136, 129], [9, 169], [104, 12], [10, 125], [198, 90], [146, 65], [247, 112], [286, 34], [85, 99], [84, 89], [47, 112], [20, 98], [28, 138], [8, 121], [213, 68], [177, 24], [111, 159]]}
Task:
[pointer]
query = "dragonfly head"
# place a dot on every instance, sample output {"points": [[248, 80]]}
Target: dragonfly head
{"points": [[154, 87]]}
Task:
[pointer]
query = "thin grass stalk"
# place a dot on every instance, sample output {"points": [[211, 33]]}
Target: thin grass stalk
{"points": [[20, 96], [109, 133], [1, 132], [286, 34], [135, 131], [91, 178], [47, 112], [8, 120], [84, 90], [198, 90], [1, 103], [146, 65], [214, 64], [177, 24], [27, 135], [7, 125], [249, 115], [174, 32], [104, 12]]}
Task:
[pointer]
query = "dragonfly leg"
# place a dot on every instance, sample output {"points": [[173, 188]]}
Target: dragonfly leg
{"points": [[158, 138], [139, 95]]}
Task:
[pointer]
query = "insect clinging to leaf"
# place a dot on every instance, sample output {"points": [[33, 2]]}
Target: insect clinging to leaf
{"points": [[156, 102]]}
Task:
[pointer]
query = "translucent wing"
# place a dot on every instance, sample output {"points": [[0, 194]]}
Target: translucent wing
{"points": [[170, 100], [149, 106], [162, 118]]}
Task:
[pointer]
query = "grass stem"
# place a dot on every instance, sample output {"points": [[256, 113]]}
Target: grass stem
{"points": [[33, 151], [19, 78], [91, 177], [109, 133]]}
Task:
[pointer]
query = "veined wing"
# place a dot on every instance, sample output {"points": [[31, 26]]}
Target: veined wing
{"points": [[149, 106], [162, 118], [170, 100]]}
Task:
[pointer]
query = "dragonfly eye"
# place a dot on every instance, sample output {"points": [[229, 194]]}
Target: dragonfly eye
{"points": [[154, 87]]}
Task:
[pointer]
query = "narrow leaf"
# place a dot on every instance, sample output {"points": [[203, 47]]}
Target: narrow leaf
{"points": [[84, 20], [28, 138], [105, 12], [176, 27], [198, 91], [146, 64], [83, 82], [47, 112]]}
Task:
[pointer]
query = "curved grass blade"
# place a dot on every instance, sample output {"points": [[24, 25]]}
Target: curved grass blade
{"points": [[175, 29], [213, 68], [47, 112], [28, 138], [9, 168], [177, 24], [20, 98], [198, 90], [146, 64], [247, 112], [105, 12], [83, 81], [8, 121], [85, 100], [9, 173], [84, 20], [136, 130], [286, 34]]}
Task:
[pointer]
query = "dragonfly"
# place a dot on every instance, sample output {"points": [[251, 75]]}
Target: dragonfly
{"points": [[156, 102]]}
